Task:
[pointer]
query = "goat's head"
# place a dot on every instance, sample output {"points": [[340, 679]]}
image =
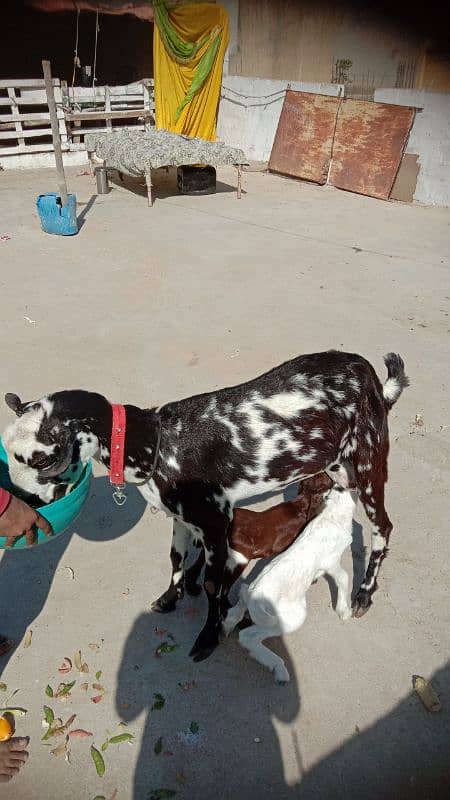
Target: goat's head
{"points": [[38, 439], [316, 484]]}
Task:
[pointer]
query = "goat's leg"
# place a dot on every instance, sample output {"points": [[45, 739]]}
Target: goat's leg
{"points": [[180, 542], [370, 478], [215, 543], [234, 615], [234, 567], [192, 574], [252, 638], [340, 578]]}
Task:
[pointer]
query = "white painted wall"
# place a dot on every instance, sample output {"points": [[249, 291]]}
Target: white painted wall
{"points": [[250, 109], [43, 160], [429, 139]]}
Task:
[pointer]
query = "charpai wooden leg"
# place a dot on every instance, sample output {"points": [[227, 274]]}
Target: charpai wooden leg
{"points": [[148, 181], [239, 181]]}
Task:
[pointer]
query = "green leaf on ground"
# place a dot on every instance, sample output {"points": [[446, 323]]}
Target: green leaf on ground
{"points": [[64, 689], [122, 737], [159, 702], [165, 647], [99, 763]]}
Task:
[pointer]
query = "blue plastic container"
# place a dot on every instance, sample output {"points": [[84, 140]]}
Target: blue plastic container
{"points": [[56, 219], [60, 514]]}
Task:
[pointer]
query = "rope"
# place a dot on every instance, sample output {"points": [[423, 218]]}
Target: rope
{"points": [[94, 74], [76, 60]]}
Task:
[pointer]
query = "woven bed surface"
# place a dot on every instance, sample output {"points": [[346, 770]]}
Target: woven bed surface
{"points": [[137, 152]]}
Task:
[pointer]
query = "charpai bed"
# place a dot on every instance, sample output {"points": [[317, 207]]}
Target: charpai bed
{"points": [[137, 153]]}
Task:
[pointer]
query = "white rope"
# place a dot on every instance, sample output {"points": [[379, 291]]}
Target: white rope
{"points": [[94, 75], [76, 60]]}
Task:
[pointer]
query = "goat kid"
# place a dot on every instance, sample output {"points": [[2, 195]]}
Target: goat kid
{"points": [[220, 448], [276, 599], [264, 534]]}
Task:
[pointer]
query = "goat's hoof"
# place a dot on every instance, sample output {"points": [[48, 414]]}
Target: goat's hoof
{"points": [[281, 676], [201, 653], [163, 606], [361, 604], [193, 589], [345, 615], [203, 648]]}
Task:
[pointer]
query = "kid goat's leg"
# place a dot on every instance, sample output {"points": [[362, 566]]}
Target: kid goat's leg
{"points": [[252, 638], [340, 577], [234, 615]]}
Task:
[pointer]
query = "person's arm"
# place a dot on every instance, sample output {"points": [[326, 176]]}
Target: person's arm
{"points": [[18, 519]]}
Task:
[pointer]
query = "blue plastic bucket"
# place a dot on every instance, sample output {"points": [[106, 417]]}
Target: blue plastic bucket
{"points": [[56, 219], [60, 514]]}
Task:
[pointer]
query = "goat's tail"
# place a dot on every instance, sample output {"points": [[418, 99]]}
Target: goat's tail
{"points": [[396, 380]]}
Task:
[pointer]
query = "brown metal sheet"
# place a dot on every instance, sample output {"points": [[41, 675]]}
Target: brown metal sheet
{"points": [[369, 142], [304, 138]]}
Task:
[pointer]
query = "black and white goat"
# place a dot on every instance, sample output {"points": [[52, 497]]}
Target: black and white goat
{"points": [[222, 447]]}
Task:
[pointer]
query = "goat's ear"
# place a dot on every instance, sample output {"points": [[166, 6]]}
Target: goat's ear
{"points": [[15, 404]]}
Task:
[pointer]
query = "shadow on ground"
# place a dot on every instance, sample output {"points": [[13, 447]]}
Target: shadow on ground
{"points": [[164, 184], [217, 735], [403, 755], [218, 738], [26, 575]]}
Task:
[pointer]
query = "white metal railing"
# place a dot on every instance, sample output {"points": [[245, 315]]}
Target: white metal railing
{"points": [[25, 120]]}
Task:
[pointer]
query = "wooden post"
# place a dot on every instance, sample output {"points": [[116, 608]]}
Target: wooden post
{"points": [[239, 181], [62, 186], [108, 108], [148, 181]]}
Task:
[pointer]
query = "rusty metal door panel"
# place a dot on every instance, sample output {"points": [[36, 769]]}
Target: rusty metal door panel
{"points": [[368, 146], [304, 138]]}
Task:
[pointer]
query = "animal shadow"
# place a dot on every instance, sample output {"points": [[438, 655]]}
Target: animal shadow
{"points": [[215, 734], [22, 599]]}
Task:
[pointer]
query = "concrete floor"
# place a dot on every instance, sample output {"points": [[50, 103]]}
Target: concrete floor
{"points": [[147, 306]]}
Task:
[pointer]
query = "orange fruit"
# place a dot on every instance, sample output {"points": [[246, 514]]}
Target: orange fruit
{"points": [[6, 729]]}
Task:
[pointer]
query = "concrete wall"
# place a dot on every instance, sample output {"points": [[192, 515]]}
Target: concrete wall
{"points": [[78, 158], [378, 53], [329, 40], [232, 6], [250, 109], [429, 139]]}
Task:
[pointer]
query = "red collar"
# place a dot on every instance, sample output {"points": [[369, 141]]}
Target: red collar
{"points": [[117, 453]]}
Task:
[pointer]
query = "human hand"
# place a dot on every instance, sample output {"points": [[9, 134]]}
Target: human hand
{"points": [[20, 519]]}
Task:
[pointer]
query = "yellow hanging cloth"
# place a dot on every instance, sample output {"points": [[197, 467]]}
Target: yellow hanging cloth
{"points": [[207, 25]]}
